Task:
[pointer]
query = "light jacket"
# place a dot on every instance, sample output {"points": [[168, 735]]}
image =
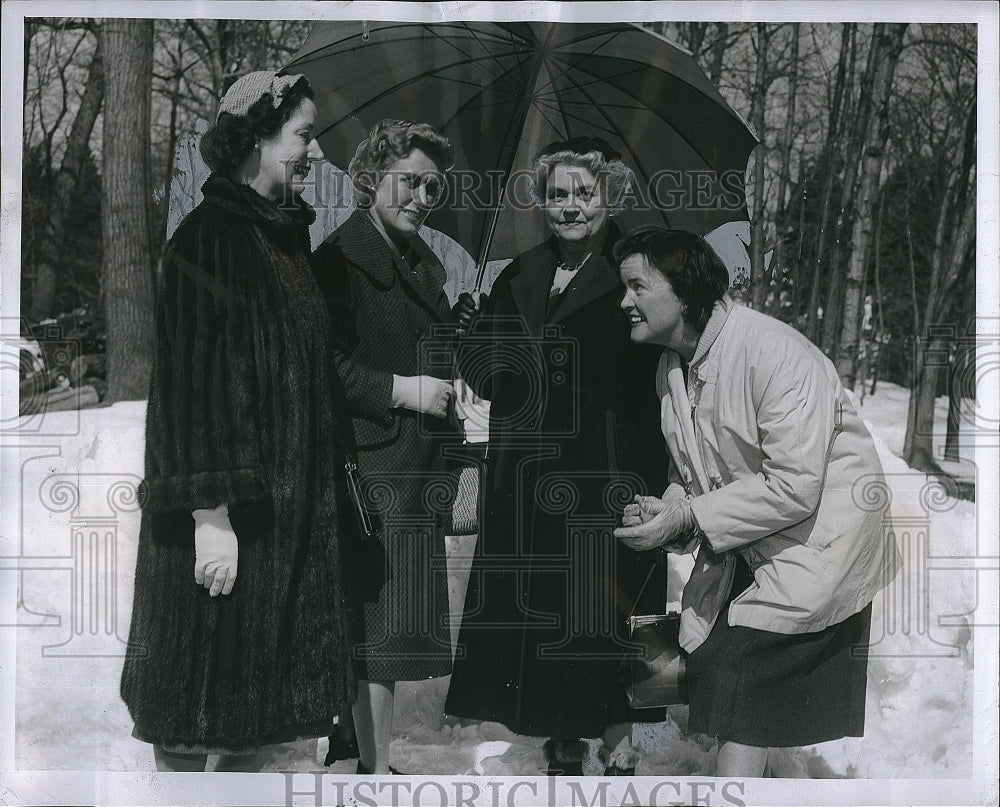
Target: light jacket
{"points": [[796, 485]]}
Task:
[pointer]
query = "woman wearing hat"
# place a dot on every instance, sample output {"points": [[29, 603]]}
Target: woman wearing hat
{"points": [[239, 633]]}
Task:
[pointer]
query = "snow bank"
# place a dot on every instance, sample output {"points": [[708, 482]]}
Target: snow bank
{"points": [[71, 639]]}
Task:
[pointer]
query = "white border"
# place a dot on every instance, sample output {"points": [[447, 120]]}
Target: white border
{"points": [[87, 787]]}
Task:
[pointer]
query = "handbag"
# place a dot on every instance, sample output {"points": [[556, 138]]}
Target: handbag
{"points": [[656, 677]]}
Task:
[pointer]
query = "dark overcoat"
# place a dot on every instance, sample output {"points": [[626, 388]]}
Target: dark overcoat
{"points": [[574, 433], [390, 315], [240, 412]]}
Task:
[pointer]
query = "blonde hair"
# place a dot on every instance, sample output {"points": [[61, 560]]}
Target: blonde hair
{"points": [[389, 141]]}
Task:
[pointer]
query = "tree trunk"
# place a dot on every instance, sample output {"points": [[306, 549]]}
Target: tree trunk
{"points": [[833, 134], [778, 258], [51, 245], [918, 451], [963, 367], [879, 341], [128, 260], [889, 45], [954, 237], [758, 280], [852, 159], [718, 52]]}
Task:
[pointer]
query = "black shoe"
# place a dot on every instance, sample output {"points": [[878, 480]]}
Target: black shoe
{"points": [[620, 761], [565, 757], [341, 749]]}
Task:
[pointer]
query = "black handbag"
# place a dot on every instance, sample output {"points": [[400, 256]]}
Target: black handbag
{"points": [[656, 676]]}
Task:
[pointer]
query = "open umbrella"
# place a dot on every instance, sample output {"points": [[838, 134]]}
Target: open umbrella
{"points": [[501, 91]]}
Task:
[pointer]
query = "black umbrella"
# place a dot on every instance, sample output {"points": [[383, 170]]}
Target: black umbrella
{"points": [[501, 91]]}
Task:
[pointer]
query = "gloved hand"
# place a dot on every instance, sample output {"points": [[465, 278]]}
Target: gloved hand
{"points": [[216, 550], [642, 509], [422, 393], [467, 309], [670, 528]]}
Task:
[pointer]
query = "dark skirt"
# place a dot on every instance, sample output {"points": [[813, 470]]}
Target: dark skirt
{"points": [[776, 690]]}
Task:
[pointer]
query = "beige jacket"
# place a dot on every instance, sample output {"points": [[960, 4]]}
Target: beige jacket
{"points": [[796, 485]]}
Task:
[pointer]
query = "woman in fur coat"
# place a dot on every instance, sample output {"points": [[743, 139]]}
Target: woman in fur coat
{"points": [[239, 633]]}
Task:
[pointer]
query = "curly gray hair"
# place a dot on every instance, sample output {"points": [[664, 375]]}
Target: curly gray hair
{"points": [[592, 153]]}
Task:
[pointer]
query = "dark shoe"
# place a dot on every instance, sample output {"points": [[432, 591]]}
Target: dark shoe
{"points": [[621, 761], [565, 757], [341, 749]]}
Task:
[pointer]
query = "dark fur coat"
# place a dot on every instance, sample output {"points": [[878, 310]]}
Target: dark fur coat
{"points": [[241, 412]]}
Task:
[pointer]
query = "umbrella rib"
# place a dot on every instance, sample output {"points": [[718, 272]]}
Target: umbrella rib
{"points": [[475, 35], [552, 119], [568, 116], [411, 81], [655, 112], [641, 169]]}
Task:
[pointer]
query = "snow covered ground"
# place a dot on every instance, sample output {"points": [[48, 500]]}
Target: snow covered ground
{"points": [[76, 542]]}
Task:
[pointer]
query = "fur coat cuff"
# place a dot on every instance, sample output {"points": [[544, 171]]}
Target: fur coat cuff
{"points": [[204, 490]]}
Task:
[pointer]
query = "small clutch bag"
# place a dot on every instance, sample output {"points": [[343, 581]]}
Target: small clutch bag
{"points": [[655, 678]]}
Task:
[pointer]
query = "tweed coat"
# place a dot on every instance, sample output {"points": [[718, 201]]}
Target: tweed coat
{"points": [[390, 315], [573, 436], [240, 412]]}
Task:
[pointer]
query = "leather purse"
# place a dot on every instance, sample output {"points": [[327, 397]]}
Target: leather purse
{"points": [[654, 676], [657, 676]]}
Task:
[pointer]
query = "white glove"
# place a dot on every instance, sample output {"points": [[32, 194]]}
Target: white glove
{"points": [[642, 509], [216, 550], [422, 393], [671, 527]]}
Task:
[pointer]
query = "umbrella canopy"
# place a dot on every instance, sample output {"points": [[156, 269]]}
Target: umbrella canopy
{"points": [[502, 91]]}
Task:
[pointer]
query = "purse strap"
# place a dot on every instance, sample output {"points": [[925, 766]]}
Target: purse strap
{"points": [[642, 591]]}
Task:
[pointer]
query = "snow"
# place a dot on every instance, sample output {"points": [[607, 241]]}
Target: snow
{"points": [[69, 642]]}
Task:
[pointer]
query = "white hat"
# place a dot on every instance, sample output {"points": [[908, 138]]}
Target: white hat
{"points": [[249, 89]]}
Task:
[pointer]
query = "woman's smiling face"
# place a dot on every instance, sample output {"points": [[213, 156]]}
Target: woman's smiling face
{"points": [[287, 157], [655, 313], [406, 193]]}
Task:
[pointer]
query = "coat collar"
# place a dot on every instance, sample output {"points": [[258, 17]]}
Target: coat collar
{"points": [[373, 255], [720, 314], [242, 200], [530, 288]]}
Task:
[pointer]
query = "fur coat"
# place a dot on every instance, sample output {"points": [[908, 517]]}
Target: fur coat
{"points": [[241, 412]]}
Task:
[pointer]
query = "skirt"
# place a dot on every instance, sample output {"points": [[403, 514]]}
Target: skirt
{"points": [[776, 690]]}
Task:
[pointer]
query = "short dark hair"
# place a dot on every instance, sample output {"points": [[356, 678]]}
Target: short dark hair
{"points": [[229, 141], [695, 273], [389, 141]]}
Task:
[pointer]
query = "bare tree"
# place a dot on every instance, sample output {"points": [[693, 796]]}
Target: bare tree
{"points": [[127, 45], [762, 82], [952, 259], [51, 243], [887, 46], [852, 154], [827, 163]]}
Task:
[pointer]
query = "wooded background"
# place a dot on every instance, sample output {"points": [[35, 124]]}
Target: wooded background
{"points": [[863, 187]]}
